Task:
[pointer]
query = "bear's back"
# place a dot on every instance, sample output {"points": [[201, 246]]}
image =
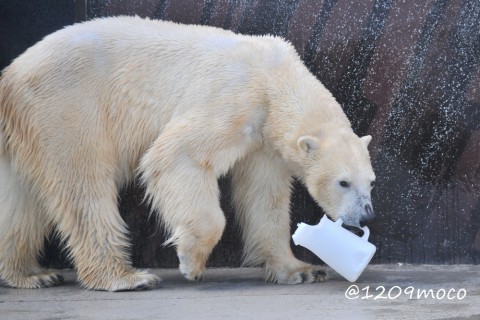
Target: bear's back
{"points": [[116, 52]]}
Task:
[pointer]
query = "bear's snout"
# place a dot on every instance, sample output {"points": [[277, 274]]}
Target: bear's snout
{"points": [[368, 217]]}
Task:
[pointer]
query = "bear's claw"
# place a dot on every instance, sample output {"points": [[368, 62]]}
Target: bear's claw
{"points": [[145, 281], [198, 277], [308, 277], [50, 280], [146, 286], [319, 275]]}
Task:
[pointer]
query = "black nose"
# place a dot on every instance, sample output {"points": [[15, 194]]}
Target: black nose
{"points": [[369, 217]]}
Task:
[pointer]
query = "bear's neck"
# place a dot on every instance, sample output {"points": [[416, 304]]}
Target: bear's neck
{"points": [[299, 105]]}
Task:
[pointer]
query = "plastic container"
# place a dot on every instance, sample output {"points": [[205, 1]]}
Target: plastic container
{"points": [[345, 252]]}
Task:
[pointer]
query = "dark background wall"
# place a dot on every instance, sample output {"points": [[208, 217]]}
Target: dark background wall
{"points": [[405, 71]]}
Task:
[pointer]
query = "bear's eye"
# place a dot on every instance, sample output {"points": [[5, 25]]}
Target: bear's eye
{"points": [[372, 184], [344, 184]]}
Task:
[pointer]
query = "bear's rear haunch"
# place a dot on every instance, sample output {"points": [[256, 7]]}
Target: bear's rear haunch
{"points": [[91, 106]]}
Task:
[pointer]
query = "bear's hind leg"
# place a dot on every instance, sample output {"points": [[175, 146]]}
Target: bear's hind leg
{"points": [[85, 213], [22, 234], [96, 237], [261, 194]]}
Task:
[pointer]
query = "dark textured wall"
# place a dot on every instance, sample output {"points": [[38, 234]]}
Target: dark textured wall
{"points": [[406, 72], [23, 23]]}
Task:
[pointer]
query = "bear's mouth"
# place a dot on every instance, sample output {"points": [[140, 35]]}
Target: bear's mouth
{"points": [[352, 229], [355, 230]]}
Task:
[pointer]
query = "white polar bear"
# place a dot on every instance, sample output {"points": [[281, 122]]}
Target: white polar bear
{"points": [[89, 108]]}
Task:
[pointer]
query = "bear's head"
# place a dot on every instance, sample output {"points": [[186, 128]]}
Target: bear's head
{"points": [[337, 172]]}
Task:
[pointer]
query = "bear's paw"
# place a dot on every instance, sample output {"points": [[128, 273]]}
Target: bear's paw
{"points": [[43, 279], [134, 280], [304, 273]]}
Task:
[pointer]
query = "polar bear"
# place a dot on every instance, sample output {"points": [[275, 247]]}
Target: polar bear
{"points": [[96, 105]]}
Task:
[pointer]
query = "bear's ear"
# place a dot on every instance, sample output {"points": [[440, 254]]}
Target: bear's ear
{"points": [[366, 140], [308, 143]]}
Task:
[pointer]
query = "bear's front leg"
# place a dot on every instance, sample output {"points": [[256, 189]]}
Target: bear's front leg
{"points": [[261, 192], [184, 191]]}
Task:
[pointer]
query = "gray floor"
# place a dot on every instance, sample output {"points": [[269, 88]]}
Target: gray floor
{"points": [[394, 292]]}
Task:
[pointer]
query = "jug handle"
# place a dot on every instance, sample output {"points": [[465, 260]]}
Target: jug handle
{"points": [[366, 233]]}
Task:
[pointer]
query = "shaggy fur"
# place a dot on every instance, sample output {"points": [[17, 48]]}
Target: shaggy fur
{"points": [[91, 106]]}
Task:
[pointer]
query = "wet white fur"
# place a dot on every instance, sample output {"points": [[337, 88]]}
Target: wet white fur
{"points": [[90, 107]]}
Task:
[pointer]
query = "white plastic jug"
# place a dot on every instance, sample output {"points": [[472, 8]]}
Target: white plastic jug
{"points": [[345, 252]]}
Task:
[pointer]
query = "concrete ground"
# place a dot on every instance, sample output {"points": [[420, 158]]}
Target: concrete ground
{"points": [[382, 292]]}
